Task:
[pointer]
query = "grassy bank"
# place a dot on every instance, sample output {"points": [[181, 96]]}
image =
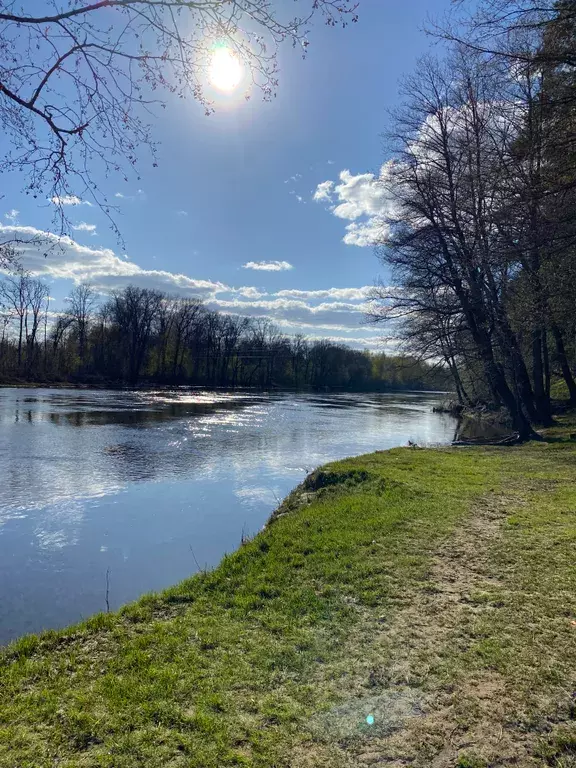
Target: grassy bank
{"points": [[431, 590]]}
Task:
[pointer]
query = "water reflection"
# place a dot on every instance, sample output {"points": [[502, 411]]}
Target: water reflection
{"points": [[140, 411], [480, 429], [131, 480]]}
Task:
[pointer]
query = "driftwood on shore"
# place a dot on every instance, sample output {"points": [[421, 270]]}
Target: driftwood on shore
{"points": [[513, 439]]}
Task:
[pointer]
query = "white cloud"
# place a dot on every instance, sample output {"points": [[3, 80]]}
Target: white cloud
{"points": [[298, 197], [268, 266], [324, 191], [361, 195], [83, 227], [183, 214], [70, 200], [140, 194], [249, 292], [332, 315], [366, 233], [12, 215], [329, 293], [45, 254], [363, 199], [326, 312], [338, 335]]}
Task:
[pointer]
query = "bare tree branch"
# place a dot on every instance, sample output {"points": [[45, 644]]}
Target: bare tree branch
{"points": [[79, 84]]}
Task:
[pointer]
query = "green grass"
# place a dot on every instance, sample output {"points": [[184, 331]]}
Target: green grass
{"points": [[276, 657], [559, 390]]}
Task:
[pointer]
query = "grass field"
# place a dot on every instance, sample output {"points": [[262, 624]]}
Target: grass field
{"points": [[409, 607]]}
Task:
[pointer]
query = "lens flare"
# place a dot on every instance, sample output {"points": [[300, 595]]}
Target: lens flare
{"points": [[225, 71]]}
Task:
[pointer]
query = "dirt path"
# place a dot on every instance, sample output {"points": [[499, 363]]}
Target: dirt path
{"points": [[428, 708], [422, 632]]}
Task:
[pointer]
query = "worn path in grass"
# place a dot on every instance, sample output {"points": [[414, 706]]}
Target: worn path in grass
{"points": [[430, 591]]}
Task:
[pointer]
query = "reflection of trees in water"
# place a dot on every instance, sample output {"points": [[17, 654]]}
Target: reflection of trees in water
{"points": [[137, 414], [144, 457], [131, 409], [132, 461], [479, 429]]}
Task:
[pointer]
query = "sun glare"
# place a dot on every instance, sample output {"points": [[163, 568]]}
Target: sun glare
{"points": [[225, 70]]}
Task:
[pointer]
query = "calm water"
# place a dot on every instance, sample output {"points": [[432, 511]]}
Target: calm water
{"points": [[146, 484]]}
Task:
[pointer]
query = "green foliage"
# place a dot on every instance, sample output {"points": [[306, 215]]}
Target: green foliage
{"points": [[405, 372]]}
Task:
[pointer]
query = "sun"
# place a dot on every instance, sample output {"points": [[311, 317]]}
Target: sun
{"points": [[225, 71]]}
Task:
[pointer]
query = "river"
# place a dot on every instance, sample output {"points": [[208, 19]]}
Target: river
{"points": [[139, 488]]}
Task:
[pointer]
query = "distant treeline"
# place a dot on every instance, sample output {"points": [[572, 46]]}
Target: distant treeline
{"points": [[144, 336]]}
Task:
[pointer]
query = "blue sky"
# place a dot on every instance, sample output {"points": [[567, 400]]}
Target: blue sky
{"points": [[240, 185]]}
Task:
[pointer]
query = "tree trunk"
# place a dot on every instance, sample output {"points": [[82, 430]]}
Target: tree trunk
{"points": [[510, 347], [493, 371], [519, 420], [544, 414], [546, 357], [20, 332], [564, 365], [463, 398]]}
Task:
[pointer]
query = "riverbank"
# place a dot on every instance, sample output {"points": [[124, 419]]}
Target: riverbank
{"points": [[410, 607]]}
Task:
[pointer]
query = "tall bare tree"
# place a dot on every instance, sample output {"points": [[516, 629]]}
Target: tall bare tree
{"points": [[37, 302], [14, 291], [81, 304], [447, 180], [134, 310]]}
